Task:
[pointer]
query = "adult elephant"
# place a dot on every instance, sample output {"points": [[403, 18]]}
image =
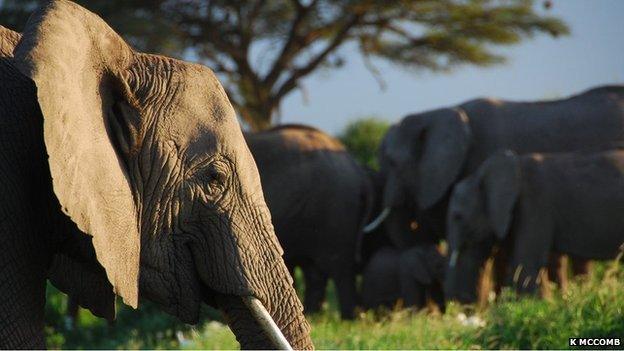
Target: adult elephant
{"points": [[144, 154], [426, 154], [533, 205], [319, 198], [411, 276]]}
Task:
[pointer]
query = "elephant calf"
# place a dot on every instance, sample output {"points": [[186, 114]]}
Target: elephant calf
{"points": [[411, 276], [532, 205]]}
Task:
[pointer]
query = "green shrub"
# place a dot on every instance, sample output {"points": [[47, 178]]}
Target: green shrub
{"points": [[363, 137], [146, 327], [594, 309]]}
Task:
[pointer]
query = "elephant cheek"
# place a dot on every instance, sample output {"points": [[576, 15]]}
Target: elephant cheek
{"points": [[171, 281], [394, 192]]}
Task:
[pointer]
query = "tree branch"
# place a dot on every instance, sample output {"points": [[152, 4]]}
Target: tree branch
{"points": [[286, 53], [298, 73]]}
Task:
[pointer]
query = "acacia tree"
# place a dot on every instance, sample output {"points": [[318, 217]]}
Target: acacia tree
{"points": [[263, 48]]}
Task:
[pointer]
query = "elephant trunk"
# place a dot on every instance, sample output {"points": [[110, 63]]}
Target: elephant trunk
{"points": [[278, 296], [267, 323], [253, 331], [462, 276], [251, 266]]}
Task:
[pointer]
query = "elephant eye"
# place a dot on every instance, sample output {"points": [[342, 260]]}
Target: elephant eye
{"points": [[214, 178]]}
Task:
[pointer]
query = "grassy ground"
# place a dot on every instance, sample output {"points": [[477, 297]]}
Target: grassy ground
{"points": [[592, 309]]}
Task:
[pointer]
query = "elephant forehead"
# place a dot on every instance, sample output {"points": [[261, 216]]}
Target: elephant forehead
{"points": [[186, 102]]}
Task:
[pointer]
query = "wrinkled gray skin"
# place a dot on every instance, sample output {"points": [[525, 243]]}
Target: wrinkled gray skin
{"points": [[533, 205], [318, 197], [144, 154], [426, 154], [412, 276]]}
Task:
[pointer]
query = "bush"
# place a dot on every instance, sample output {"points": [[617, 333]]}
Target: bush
{"points": [[363, 137], [146, 327]]}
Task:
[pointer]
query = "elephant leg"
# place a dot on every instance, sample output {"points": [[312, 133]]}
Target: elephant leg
{"points": [[580, 266], [315, 284], [23, 265], [436, 293], [500, 262], [347, 294], [22, 300], [413, 293], [525, 276]]}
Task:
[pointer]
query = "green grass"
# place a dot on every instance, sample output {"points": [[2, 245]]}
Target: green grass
{"points": [[594, 308]]}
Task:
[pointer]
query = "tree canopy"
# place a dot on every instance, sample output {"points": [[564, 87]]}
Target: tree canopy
{"points": [[263, 48]]}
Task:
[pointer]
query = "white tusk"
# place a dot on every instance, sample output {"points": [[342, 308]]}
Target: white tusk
{"points": [[375, 223], [454, 257], [267, 323]]}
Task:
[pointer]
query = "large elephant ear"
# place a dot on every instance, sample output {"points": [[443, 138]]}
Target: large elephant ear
{"points": [[8, 40], [74, 58], [446, 138], [500, 185]]}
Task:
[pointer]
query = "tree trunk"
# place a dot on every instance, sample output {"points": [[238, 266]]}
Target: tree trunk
{"points": [[258, 117], [257, 105]]}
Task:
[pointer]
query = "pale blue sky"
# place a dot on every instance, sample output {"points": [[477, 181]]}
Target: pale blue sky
{"points": [[538, 68]]}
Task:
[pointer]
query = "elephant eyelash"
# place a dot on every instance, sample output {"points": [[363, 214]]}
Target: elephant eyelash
{"points": [[198, 166], [213, 179]]}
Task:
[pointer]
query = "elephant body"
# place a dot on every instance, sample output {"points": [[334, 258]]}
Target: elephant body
{"points": [[115, 163], [25, 258], [318, 196], [426, 154], [380, 279], [411, 276], [533, 205]]}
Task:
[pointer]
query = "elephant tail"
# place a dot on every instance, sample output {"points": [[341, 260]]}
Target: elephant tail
{"points": [[367, 203]]}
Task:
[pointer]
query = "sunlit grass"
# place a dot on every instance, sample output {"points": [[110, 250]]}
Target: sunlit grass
{"points": [[594, 308]]}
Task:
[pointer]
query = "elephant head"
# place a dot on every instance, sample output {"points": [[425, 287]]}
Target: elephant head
{"points": [[148, 158], [424, 264], [480, 214], [421, 158], [424, 155]]}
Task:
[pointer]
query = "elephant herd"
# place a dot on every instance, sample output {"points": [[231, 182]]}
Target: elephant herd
{"points": [[145, 155]]}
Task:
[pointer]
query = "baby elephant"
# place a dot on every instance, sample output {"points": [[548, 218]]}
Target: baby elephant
{"points": [[411, 276], [533, 205]]}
